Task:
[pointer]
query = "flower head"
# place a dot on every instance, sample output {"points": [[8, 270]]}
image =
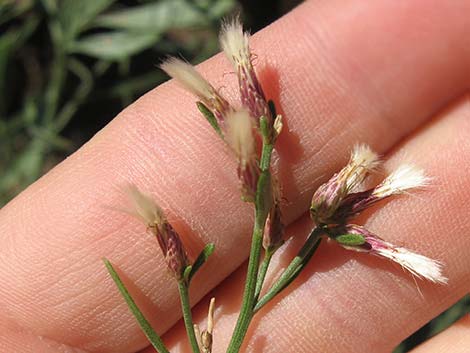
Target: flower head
{"points": [[242, 142], [235, 44], [329, 196], [152, 215], [354, 237], [404, 178], [193, 81]]}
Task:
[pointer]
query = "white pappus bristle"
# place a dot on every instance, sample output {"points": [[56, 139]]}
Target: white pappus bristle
{"points": [[143, 207], [362, 161], [419, 265], [188, 77], [363, 156], [404, 178], [235, 42], [240, 135]]}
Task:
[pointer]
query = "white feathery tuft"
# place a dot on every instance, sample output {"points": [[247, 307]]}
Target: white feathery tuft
{"points": [[363, 156], [362, 161], [240, 135], [188, 77], [404, 178], [144, 208], [419, 265], [235, 42]]}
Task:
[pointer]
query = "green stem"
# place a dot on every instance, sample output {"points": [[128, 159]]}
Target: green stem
{"points": [[262, 272], [246, 311], [152, 336], [294, 268], [188, 319], [261, 212]]}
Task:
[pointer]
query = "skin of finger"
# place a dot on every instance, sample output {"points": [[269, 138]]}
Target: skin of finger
{"points": [[15, 339], [455, 339], [348, 302], [335, 89]]}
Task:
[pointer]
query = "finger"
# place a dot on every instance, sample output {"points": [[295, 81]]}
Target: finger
{"points": [[335, 89], [455, 339], [348, 302]]}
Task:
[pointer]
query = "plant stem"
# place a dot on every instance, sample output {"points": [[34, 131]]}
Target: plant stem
{"points": [[262, 272], [294, 268], [246, 311], [188, 319], [261, 212], [152, 336]]}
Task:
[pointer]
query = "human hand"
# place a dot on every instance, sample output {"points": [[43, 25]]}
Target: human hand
{"points": [[341, 73]]}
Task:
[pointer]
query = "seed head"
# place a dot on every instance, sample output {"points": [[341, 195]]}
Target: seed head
{"points": [[192, 80], [354, 237], [329, 196], [170, 243], [241, 140], [404, 178], [235, 43]]}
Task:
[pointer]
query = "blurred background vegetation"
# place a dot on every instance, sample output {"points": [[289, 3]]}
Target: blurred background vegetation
{"points": [[67, 67]]}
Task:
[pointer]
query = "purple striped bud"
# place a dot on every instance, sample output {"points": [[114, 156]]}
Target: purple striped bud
{"points": [[329, 196], [274, 231], [357, 238], [170, 243]]}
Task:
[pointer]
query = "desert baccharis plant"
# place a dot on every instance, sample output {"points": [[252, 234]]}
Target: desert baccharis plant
{"points": [[250, 133]]}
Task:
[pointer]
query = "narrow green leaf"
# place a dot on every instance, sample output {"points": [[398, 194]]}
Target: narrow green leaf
{"points": [[219, 8], [154, 17], [350, 239], [152, 336], [114, 45], [305, 261], [209, 117], [201, 259], [10, 9], [187, 272], [295, 267], [10, 41], [74, 16]]}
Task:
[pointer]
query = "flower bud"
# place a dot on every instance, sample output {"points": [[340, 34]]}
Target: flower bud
{"points": [[274, 231], [235, 44], [329, 196], [354, 237], [242, 142], [170, 243], [173, 249], [273, 235]]}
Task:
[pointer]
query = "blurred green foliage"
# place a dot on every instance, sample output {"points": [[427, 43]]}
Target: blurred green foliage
{"points": [[66, 59], [68, 66]]}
